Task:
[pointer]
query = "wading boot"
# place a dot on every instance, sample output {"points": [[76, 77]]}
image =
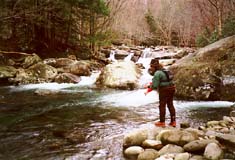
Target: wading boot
{"points": [[173, 124], [160, 124]]}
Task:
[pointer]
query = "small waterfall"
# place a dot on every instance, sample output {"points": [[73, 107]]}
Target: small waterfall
{"points": [[112, 56], [128, 58], [147, 53]]}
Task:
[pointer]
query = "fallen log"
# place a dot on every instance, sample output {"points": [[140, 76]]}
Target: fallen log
{"points": [[21, 53]]}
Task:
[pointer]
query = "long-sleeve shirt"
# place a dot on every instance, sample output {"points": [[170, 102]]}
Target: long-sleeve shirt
{"points": [[160, 80]]}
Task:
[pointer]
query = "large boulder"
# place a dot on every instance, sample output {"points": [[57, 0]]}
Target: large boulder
{"points": [[37, 73], [120, 74], [60, 62], [80, 68], [178, 137], [207, 74], [31, 60], [7, 72], [198, 145], [213, 152], [65, 65]]}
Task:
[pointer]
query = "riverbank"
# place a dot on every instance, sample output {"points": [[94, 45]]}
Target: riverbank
{"points": [[213, 141]]}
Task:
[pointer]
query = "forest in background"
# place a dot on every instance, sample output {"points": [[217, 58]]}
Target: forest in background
{"points": [[55, 28]]}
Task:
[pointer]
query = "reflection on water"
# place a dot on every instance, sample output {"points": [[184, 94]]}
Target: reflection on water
{"points": [[80, 122]]}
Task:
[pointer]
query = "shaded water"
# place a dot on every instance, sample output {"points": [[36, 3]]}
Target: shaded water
{"points": [[77, 122]]}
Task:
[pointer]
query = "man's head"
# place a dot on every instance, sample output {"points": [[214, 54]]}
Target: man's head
{"points": [[154, 66], [154, 62]]}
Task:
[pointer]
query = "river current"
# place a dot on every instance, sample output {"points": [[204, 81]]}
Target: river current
{"points": [[81, 122]]}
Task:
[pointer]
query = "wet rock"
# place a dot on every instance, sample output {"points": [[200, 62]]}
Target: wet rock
{"points": [[67, 78], [45, 92], [100, 155], [184, 125], [213, 152], [148, 154], [232, 113]]}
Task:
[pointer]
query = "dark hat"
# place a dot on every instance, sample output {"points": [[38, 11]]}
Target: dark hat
{"points": [[154, 61]]}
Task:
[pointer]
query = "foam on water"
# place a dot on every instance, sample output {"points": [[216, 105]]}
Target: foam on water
{"points": [[201, 104], [85, 81], [49, 86], [130, 98], [137, 99]]}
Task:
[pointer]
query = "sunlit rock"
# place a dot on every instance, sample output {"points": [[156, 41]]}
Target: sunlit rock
{"points": [[133, 151], [148, 154], [154, 144], [197, 157], [182, 156], [121, 74], [171, 148], [168, 156], [198, 145], [167, 62], [135, 138], [213, 152], [177, 137]]}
